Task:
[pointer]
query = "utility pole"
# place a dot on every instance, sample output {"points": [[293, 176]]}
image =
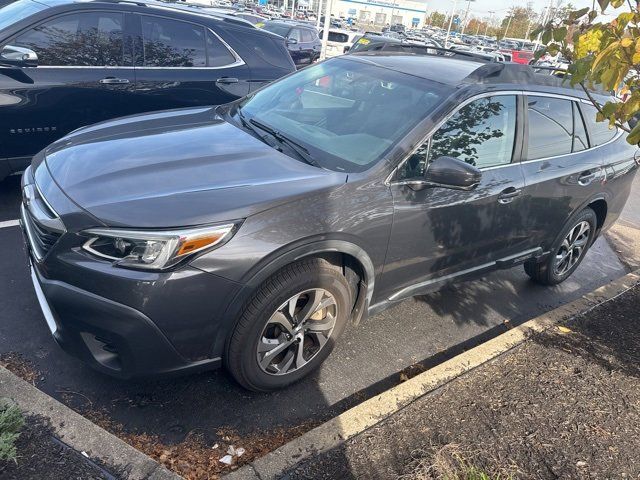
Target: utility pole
{"points": [[325, 29], [466, 14], [506, 30], [319, 14], [546, 16], [529, 11], [453, 12], [486, 30]]}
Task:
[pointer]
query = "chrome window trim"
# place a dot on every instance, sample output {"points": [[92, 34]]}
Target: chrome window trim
{"points": [[66, 14], [238, 61], [444, 120], [388, 181]]}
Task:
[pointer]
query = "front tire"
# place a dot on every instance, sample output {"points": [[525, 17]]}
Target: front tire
{"points": [[567, 252], [289, 326]]}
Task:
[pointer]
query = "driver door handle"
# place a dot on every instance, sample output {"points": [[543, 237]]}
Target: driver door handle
{"points": [[227, 80], [114, 81], [508, 194]]}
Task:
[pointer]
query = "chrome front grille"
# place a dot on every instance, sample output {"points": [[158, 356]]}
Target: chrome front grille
{"points": [[41, 238], [41, 224]]}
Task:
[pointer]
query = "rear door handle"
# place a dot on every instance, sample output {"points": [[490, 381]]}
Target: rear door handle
{"points": [[587, 177], [508, 194], [227, 80], [114, 81]]}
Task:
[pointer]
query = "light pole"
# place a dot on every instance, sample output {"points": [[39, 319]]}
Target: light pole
{"points": [[319, 14], [466, 14], [486, 30], [453, 12], [325, 29]]}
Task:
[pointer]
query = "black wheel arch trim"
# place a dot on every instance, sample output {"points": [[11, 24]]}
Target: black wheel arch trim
{"points": [[290, 255]]}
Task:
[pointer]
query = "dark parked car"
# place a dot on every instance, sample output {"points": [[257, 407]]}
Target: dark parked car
{"points": [[253, 233], [302, 40], [65, 64]]}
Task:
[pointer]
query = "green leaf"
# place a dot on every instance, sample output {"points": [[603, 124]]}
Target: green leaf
{"points": [[603, 4], [592, 15], [546, 36], [609, 109], [576, 14], [616, 3], [560, 34], [634, 137]]}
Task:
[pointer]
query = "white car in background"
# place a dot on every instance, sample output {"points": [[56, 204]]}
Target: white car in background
{"points": [[340, 41]]}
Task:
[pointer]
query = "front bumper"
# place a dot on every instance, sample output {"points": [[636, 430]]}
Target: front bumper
{"points": [[109, 336], [123, 322]]}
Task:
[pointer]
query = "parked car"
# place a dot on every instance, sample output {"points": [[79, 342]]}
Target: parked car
{"points": [[340, 41], [302, 40], [252, 234], [374, 42], [66, 64]]}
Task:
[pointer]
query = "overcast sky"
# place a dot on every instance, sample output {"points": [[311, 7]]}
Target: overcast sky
{"points": [[481, 8]]}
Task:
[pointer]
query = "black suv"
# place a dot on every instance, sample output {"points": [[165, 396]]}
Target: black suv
{"points": [[253, 233], [65, 64], [302, 40]]}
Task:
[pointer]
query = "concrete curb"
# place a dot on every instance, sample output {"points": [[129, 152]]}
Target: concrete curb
{"points": [[82, 434], [363, 416]]}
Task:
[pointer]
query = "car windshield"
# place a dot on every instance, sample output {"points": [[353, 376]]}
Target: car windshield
{"points": [[277, 28], [10, 14], [347, 114]]}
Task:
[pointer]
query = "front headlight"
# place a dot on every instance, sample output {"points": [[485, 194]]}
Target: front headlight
{"points": [[154, 250]]}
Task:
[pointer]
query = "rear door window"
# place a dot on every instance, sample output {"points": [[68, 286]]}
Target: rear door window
{"points": [[172, 43], [550, 127], [91, 39], [295, 34], [599, 132], [308, 36]]}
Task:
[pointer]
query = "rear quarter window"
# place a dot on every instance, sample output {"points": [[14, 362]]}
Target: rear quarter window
{"points": [[338, 37], [599, 132], [270, 50]]}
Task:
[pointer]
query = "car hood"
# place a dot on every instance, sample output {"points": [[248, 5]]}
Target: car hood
{"points": [[177, 168]]}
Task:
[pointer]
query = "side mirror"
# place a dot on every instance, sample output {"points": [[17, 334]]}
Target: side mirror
{"points": [[18, 56], [449, 172], [292, 41]]}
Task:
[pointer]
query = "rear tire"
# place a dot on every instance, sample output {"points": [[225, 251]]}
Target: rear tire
{"points": [[567, 252], [289, 326]]}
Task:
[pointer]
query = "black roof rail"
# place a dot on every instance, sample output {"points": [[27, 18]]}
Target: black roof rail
{"points": [[133, 2], [418, 49], [514, 73], [184, 6]]}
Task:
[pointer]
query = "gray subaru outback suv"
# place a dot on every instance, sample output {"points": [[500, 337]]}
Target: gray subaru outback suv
{"points": [[251, 234]]}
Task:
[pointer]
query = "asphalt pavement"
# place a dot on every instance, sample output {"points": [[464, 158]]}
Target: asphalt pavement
{"points": [[368, 359]]}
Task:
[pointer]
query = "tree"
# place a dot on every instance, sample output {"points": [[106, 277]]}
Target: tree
{"points": [[518, 21], [437, 19], [602, 54]]}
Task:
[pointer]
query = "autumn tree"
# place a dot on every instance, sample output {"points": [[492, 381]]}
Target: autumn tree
{"points": [[517, 23], [604, 53]]}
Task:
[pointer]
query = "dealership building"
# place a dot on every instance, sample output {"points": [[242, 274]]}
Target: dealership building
{"points": [[381, 12]]}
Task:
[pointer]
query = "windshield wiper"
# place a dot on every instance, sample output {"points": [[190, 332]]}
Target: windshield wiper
{"points": [[248, 126], [300, 150]]}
